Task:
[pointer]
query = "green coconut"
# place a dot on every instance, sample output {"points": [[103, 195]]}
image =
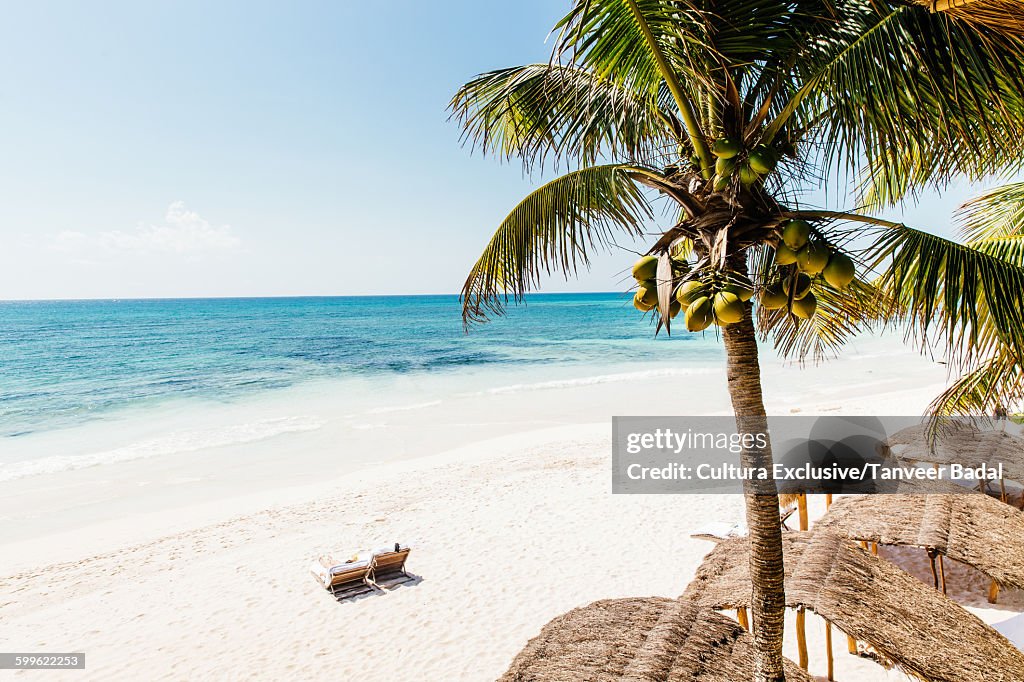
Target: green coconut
{"points": [[728, 307], [803, 285], [645, 268], [774, 298], [725, 166], [813, 258], [741, 286], [726, 148], [722, 183], [748, 176], [804, 308], [784, 255], [840, 271], [690, 291], [673, 308], [796, 233], [762, 159], [700, 314], [742, 291], [649, 292], [639, 304]]}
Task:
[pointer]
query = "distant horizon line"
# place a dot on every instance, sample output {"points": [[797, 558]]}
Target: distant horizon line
{"points": [[277, 297]]}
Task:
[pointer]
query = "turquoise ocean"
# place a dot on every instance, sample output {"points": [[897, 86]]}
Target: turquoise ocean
{"points": [[71, 367]]}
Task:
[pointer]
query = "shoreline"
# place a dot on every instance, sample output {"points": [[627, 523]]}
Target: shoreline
{"points": [[349, 442]]}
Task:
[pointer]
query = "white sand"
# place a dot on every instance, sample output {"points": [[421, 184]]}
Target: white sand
{"points": [[508, 533]]}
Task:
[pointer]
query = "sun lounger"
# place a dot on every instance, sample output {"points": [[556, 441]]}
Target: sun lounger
{"points": [[388, 566], [343, 577]]}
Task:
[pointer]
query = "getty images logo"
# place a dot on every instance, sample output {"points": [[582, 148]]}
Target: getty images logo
{"points": [[838, 455]]}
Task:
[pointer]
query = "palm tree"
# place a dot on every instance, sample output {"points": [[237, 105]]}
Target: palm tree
{"points": [[728, 109]]}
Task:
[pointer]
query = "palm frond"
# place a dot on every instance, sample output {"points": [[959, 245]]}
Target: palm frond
{"points": [[841, 315], [639, 42], [556, 228], [538, 110], [928, 160], [893, 79], [997, 383], [1009, 248], [957, 290], [995, 214], [610, 39]]}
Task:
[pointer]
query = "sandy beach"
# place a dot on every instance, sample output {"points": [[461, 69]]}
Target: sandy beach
{"points": [[507, 532]]}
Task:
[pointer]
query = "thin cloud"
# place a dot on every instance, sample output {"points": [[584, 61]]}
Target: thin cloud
{"points": [[183, 232]]}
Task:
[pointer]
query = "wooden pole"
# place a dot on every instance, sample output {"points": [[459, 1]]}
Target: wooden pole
{"points": [[942, 574], [801, 637], [851, 643], [1002, 491], [828, 623], [993, 592], [828, 650], [874, 548], [931, 560], [801, 615], [741, 616]]}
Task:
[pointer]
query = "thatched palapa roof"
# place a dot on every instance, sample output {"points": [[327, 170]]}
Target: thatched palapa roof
{"points": [[973, 529], [909, 624], [961, 444], [648, 640]]}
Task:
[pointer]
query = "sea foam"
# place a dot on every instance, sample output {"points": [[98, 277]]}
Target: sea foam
{"points": [[603, 379], [175, 443]]}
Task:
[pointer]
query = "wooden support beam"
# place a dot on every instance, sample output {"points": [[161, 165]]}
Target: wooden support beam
{"points": [[741, 616], [993, 592], [801, 636], [828, 651]]}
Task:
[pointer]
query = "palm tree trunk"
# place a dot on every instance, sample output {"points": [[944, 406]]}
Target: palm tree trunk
{"points": [[768, 599]]}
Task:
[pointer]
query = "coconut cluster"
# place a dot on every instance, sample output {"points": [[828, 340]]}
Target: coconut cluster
{"points": [[813, 259], [749, 166], [717, 299], [708, 297], [645, 271], [712, 298]]}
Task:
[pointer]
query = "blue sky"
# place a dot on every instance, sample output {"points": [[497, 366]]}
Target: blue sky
{"points": [[259, 148]]}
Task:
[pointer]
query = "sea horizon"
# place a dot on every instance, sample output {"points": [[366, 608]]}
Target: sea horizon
{"points": [[531, 295]]}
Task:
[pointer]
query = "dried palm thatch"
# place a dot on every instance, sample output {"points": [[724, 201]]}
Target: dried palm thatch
{"points": [[976, 530], [961, 444], [1005, 16], [908, 624], [636, 639]]}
